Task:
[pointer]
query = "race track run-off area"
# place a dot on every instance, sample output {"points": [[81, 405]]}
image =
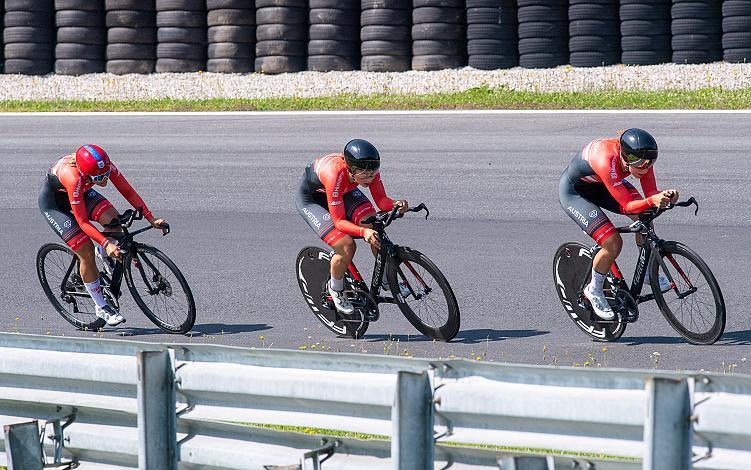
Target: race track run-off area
{"points": [[225, 182]]}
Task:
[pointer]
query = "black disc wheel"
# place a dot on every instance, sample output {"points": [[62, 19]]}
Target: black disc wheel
{"points": [[312, 269], [572, 265], [423, 295], [693, 305], [57, 268], [160, 290]]}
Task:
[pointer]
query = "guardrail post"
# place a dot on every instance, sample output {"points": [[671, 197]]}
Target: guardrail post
{"points": [[22, 446], [667, 428], [157, 438], [412, 422]]}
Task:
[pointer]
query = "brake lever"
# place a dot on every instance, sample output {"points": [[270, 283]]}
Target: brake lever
{"points": [[165, 228]]}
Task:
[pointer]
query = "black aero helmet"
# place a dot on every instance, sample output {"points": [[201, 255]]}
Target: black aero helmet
{"points": [[361, 154], [638, 146]]}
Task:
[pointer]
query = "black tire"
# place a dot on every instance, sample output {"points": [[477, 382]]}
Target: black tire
{"points": [[340, 48], [736, 24], [385, 63], [281, 48], [493, 62], [281, 15], [184, 35], [327, 63], [14, 19], [588, 11], [181, 19], [230, 50], [572, 265], [235, 17], [438, 3], [282, 3], [594, 59], [29, 5], [696, 26], [642, 43], [222, 4], [334, 32], [643, 11], [78, 66], [52, 263], [131, 36], [438, 62], [155, 284], [736, 40], [229, 65], [276, 32], [529, 30], [492, 31], [385, 4], [65, 50], [231, 34], [65, 18], [333, 16], [437, 15], [645, 27], [343, 4], [607, 44], [603, 28], [696, 57], [179, 65], [178, 50], [706, 288], [392, 48], [130, 19], [423, 278], [145, 5], [131, 52], [695, 9], [742, 56], [185, 5], [78, 5], [384, 16], [280, 64], [438, 31], [427, 47], [28, 66], [542, 45], [30, 50], [28, 34], [96, 36], [736, 8], [126, 66], [646, 57], [385, 33], [312, 269]]}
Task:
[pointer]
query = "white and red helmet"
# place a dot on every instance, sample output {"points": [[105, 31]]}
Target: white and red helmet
{"points": [[92, 161]]}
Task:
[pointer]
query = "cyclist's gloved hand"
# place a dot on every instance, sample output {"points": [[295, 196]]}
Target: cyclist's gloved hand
{"points": [[111, 248], [160, 224], [660, 200], [371, 238], [403, 205], [673, 194]]}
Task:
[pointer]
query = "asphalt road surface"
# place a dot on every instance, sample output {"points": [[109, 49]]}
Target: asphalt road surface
{"points": [[226, 183]]}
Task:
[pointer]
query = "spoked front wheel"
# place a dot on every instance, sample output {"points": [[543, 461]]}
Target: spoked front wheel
{"points": [[423, 294], [160, 290], [693, 306], [57, 268]]}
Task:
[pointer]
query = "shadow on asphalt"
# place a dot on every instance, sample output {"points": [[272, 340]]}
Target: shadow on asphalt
{"points": [[481, 335], [734, 338], [208, 329], [728, 338]]}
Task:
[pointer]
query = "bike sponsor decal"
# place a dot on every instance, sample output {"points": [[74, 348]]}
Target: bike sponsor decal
{"points": [[53, 223], [578, 216], [312, 218], [338, 185], [613, 171]]}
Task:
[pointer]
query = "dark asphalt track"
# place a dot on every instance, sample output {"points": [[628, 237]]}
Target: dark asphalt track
{"points": [[226, 182]]}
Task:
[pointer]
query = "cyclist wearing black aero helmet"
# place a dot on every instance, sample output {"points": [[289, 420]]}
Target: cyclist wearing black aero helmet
{"points": [[595, 180], [330, 201]]}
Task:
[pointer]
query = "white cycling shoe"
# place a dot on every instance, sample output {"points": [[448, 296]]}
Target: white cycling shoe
{"points": [[600, 304], [110, 315], [662, 279], [342, 304]]}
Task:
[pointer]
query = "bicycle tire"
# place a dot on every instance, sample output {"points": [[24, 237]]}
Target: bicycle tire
{"points": [[448, 330], [667, 250], [312, 270], [90, 321], [572, 264], [185, 324]]}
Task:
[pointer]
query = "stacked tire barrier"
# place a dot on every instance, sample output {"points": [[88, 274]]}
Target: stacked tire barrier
{"points": [[593, 30], [131, 36], [492, 36], [231, 35], [334, 35], [736, 30], [696, 31], [181, 35], [81, 37], [645, 32], [438, 34], [386, 39], [29, 36], [543, 33], [286, 48], [277, 36]]}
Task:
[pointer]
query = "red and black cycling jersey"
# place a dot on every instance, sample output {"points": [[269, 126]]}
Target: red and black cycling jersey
{"points": [[600, 163], [65, 177], [329, 175]]}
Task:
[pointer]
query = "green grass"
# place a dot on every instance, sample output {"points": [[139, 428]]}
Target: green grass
{"points": [[476, 98], [508, 449]]}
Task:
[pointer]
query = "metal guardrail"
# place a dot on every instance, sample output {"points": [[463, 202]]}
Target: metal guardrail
{"points": [[120, 393]]}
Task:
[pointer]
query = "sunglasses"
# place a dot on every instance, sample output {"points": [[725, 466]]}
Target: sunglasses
{"points": [[100, 178], [364, 173], [637, 162]]}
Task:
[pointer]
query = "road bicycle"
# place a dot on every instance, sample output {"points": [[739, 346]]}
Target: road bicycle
{"points": [[415, 285], [693, 305], [156, 284]]}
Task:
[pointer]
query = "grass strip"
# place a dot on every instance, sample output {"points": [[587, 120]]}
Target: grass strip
{"points": [[508, 449], [476, 98]]}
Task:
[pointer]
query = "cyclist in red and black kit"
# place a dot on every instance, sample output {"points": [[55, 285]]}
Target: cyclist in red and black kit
{"points": [[69, 204], [332, 204], [595, 180]]}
